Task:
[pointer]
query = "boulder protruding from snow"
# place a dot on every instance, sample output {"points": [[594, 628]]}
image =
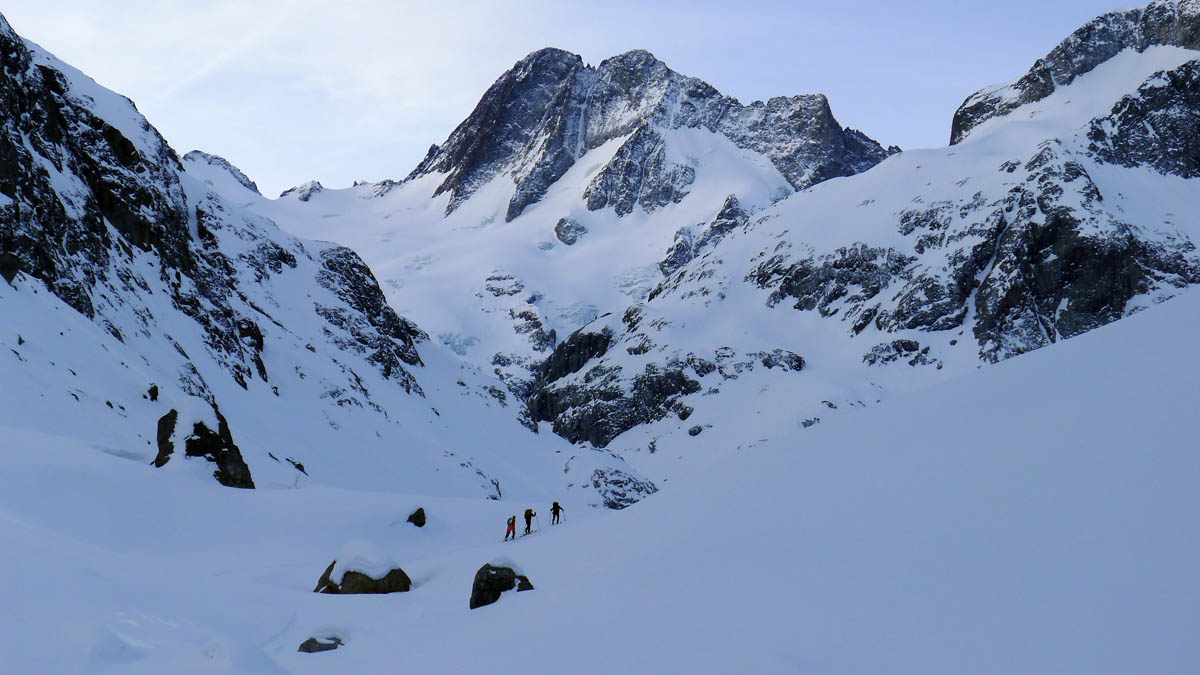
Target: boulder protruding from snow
{"points": [[215, 446], [491, 581], [351, 582], [417, 517], [9, 266], [313, 644], [569, 231]]}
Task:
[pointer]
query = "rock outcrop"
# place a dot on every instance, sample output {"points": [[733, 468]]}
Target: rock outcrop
{"points": [[353, 582], [1163, 22], [549, 109], [569, 231], [601, 405], [691, 242], [619, 489], [96, 208], [314, 645], [417, 517], [491, 581], [1157, 126], [215, 446]]}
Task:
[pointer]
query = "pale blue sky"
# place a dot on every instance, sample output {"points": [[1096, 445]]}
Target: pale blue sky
{"points": [[294, 90]]}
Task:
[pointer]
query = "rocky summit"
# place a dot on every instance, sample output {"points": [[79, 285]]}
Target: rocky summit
{"points": [[550, 109]]}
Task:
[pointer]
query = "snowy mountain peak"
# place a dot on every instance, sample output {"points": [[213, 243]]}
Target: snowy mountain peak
{"points": [[550, 109], [1064, 214], [221, 164], [1160, 23], [304, 191], [634, 58]]}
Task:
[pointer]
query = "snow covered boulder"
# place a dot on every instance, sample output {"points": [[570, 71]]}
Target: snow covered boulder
{"points": [[365, 570], [493, 580], [619, 489], [569, 231], [351, 582], [215, 446]]}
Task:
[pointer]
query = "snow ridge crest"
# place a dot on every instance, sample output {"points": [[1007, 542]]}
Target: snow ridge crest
{"points": [[1162, 22]]}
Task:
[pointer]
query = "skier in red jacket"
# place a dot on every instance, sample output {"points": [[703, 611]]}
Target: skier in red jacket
{"points": [[512, 528]]}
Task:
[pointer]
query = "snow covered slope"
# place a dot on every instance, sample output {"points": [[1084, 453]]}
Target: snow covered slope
{"points": [[1037, 516], [556, 199], [1061, 216], [148, 316], [655, 321], [794, 367]]}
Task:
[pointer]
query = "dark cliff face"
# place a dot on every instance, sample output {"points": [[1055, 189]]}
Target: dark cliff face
{"points": [[688, 243], [1158, 126], [534, 94], [97, 207], [67, 174], [550, 109], [1165, 22]]}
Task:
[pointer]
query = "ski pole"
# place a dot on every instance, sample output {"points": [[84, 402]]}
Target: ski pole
{"points": [[539, 521]]}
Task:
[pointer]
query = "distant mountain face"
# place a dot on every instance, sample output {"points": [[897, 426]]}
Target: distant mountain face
{"points": [[569, 192], [163, 322], [748, 307], [1056, 214], [1161, 23], [550, 109], [645, 272]]}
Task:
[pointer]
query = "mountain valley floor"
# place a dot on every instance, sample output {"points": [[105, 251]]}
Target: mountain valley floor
{"points": [[1037, 516]]}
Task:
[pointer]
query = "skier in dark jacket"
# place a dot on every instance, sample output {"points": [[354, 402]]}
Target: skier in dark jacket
{"points": [[512, 528], [529, 514], [555, 512]]}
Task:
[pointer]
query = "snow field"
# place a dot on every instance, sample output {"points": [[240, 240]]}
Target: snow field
{"points": [[982, 525]]}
